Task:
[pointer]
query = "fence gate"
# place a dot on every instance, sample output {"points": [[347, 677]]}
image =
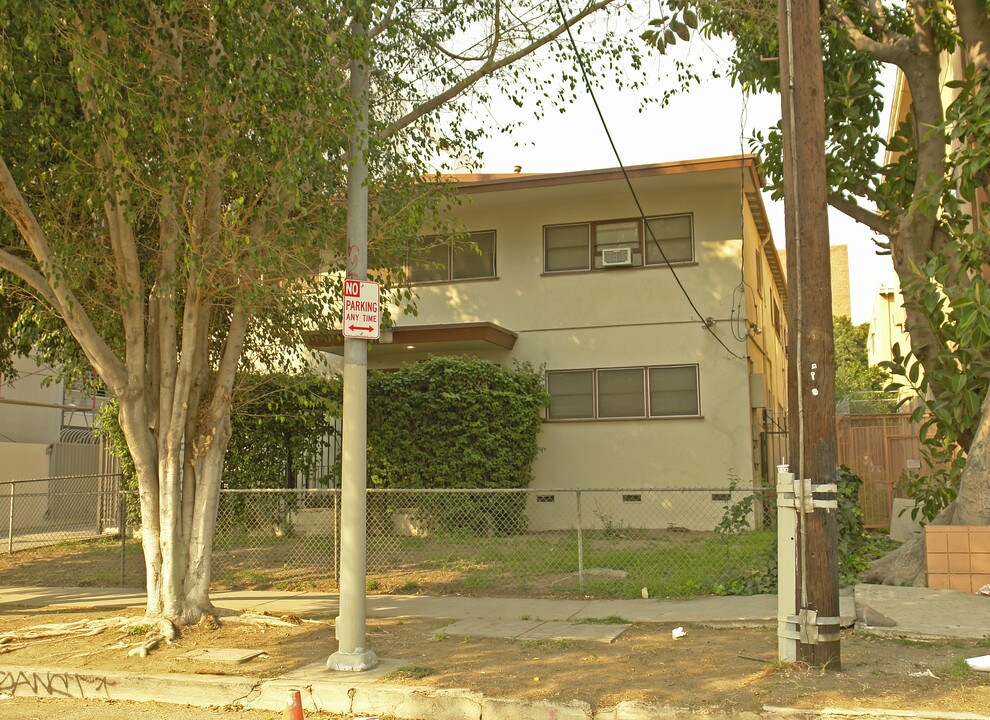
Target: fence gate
{"points": [[881, 449], [773, 446]]}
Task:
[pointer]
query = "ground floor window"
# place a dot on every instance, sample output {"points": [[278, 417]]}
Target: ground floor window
{"points": [[656, 391]]}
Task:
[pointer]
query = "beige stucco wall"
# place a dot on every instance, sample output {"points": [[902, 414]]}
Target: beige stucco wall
{"points": [[622, 317], [22, 461], [887, 326], [23, 423]]}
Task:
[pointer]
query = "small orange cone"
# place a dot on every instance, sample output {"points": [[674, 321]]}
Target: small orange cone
{"points": [[293, 706]]}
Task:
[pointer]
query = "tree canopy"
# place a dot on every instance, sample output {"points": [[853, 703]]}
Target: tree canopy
{"points": [[171, 185], [853, 373]]}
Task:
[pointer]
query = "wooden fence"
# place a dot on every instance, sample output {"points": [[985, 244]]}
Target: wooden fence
{"points": [[882, 449]]}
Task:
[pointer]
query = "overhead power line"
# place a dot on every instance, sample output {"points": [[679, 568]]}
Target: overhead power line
{"points": [[587, 83]]}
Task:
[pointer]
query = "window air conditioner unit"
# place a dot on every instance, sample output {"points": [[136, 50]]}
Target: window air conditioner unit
{"points": [[616, 257]]}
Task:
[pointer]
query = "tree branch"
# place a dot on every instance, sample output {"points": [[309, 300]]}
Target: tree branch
{"points": [[385, 23], [860, 214], [486, 69], [229, 360], [106, 364], [23, 270], [895, 48]]}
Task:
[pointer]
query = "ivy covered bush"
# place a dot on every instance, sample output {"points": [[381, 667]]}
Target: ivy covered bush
{"points": [[457, 422]]}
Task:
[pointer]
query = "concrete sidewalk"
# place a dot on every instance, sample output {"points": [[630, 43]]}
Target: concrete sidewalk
{"points": [[910, 612], [728, 610], [906, 611]]}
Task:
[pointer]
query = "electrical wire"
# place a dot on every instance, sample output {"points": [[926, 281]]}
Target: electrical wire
{"points": [[632, 190], [739, 330]]}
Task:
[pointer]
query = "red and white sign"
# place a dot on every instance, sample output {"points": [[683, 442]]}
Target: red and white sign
{"points": [[362, 310]]}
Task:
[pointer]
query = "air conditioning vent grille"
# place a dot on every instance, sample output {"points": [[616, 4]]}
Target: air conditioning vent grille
{"points": [[616, 257]]}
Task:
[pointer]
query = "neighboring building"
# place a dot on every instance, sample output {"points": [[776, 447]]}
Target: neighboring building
{"points": [[839, 263], [45, 427], [887, 326], [643, 394]]}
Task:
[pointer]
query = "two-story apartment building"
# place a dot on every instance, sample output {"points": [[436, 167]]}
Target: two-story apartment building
{"points": [[661, 331]]}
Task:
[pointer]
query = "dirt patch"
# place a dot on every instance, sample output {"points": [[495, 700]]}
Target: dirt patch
{"points": [[731, 669]]}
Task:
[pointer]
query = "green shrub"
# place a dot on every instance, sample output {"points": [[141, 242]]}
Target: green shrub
{"points": [[457, 422]]}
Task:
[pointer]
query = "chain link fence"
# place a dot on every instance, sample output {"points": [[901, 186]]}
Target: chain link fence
{"points": [[548, 543], [46, 511]]}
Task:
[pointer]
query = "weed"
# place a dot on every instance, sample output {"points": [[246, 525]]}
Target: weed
{"points": [[957, 670], [735, 515], [610, 527], [412, 672], [138, 629], [371, 585], [525, 617], [410, 586], [438, 636], [610, 620], [548, 644]]}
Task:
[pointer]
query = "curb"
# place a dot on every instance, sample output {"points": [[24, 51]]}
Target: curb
{"points": [[401, 701]]}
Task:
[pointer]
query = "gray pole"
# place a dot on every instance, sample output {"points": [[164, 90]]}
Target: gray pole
{"points": [[352, 655]]}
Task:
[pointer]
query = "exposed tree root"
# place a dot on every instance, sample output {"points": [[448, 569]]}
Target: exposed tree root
{"points": [[154, 631], [261, 620], [903, 566]]}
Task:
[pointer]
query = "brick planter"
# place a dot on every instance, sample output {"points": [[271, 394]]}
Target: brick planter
{"points": [[958, 556]]}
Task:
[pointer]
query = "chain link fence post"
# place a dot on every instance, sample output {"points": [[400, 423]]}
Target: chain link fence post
{"points": [[336, 534], [10, 523], [122, 526], [580, 543]]}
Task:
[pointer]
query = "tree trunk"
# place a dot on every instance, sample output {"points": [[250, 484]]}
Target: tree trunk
{"points": [[179, 571]]}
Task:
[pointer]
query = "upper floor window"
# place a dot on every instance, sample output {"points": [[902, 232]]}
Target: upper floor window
{"points": [[594, 245], [444, 262]]}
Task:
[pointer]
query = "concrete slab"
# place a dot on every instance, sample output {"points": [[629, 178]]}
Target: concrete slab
{"points": [[573, 631], [923, 612], [475, 627], [467, 607], [711, 609], [902, 527], [228, 656], [535, 630]]}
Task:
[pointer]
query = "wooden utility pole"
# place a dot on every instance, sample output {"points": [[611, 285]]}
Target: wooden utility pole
{"points": [[810, 349]]}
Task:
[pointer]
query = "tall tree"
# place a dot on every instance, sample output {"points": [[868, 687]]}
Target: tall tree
{"points": [[853, 372], [170, 176], [924, 202]]}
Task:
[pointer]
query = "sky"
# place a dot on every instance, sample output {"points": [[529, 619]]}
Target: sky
{"points": [[711, 120]]}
